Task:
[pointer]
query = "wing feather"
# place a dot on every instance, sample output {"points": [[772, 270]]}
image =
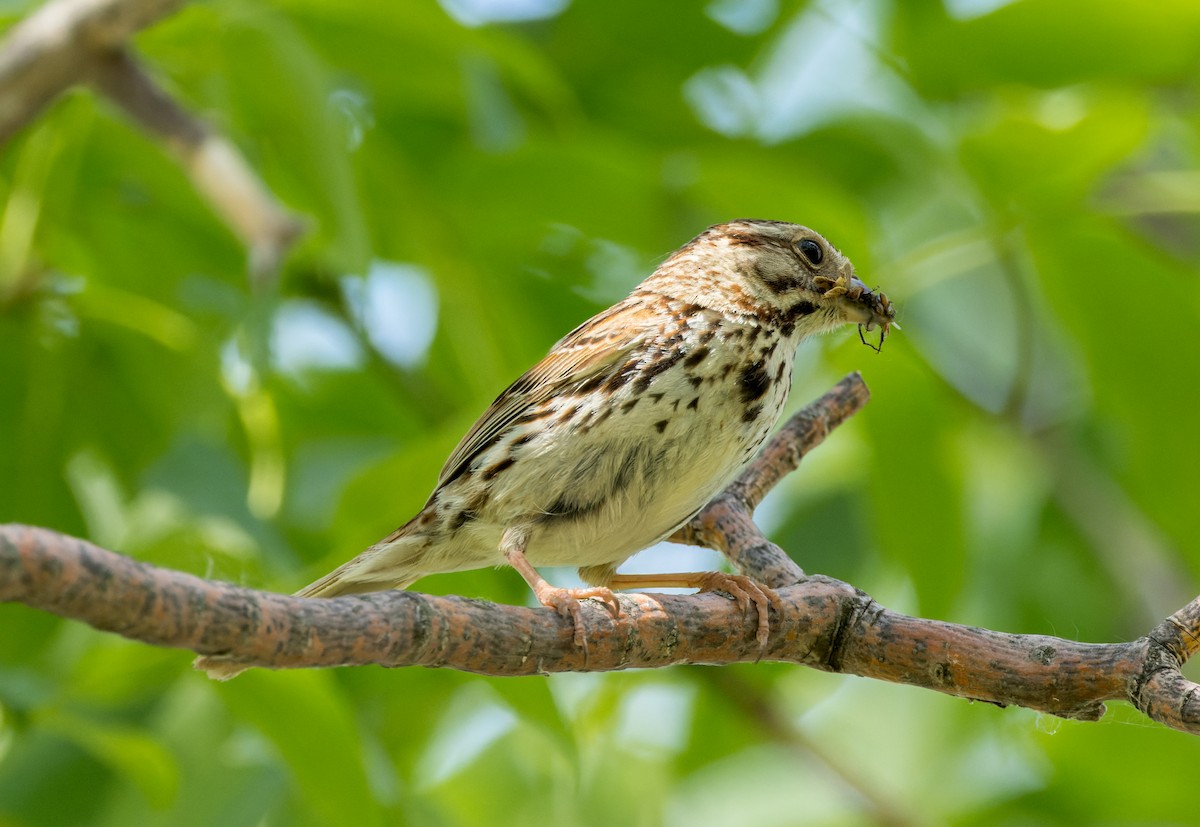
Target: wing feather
{"points": [[595, 348]]}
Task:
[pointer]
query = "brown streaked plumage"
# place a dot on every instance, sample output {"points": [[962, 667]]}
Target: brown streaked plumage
{"points": [[629, 426]]}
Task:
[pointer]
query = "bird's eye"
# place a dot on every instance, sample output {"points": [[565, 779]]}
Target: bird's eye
{"points": [[811, 250]]}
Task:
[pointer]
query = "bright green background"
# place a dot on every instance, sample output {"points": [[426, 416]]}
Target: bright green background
{"points": [[1021, 181]]}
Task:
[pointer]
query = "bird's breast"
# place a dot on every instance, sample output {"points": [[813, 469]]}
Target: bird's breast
{"points": [[620, 471]]}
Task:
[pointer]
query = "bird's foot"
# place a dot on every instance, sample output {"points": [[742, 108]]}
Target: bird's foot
{"points": [[741, 588], [563, 601], [745, 591], [566, 603]]}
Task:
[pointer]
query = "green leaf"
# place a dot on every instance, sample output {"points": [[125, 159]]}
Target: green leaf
{"points": [[134, 755], [315, 734]]}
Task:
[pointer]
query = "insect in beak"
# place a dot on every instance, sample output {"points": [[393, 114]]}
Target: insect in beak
{"points": [[882, 313], [878, 308]]}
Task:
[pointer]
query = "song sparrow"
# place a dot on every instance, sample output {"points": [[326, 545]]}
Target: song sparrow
{"points": [[630, 425]]}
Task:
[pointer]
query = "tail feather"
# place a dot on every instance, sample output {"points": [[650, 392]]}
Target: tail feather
{"points": [[383, 566], [389, 564]]}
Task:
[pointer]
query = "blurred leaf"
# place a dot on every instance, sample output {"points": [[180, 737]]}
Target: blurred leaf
{"points": [[1047, 152], [919, 523], [315, 736], [1048, 43], [1018, 177], [46, 779], [135, 755]]}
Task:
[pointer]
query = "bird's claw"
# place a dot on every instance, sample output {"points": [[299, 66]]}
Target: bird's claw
{"points": [[746, 591], [566, 603]]}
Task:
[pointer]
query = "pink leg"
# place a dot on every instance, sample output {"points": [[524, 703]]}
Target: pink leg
{"points": [[741, 588], [563, 601]]}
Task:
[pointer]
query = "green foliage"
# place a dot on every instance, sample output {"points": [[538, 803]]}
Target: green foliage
{"points": [[1021, 181]]}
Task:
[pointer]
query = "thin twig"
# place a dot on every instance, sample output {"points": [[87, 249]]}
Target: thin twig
{"points": [[72, 42], [216, 166], [46, 53]]}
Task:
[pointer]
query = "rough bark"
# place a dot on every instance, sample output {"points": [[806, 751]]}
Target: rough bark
{"points": [[817, 621]]}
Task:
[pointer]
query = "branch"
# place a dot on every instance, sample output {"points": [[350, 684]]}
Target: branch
{"points": [[69, 42], [817, 622], [46, 53], [216, 166]]}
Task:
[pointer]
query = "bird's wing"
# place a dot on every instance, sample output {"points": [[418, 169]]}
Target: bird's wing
{"points": [[593, 349]]}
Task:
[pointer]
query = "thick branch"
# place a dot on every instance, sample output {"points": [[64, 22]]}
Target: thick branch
{"points": [[817, 622]]}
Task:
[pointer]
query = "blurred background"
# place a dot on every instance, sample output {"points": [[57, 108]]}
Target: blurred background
{"points": [[477, 178]]}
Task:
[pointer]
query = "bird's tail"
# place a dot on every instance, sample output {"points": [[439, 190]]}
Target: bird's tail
{"points": [[392, 563]]}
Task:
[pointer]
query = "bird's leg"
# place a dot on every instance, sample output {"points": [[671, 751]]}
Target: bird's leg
{"points": [[741, 588], [563, 601]]}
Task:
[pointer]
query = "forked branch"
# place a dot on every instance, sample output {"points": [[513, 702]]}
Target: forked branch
{"points": [[818, 621]]}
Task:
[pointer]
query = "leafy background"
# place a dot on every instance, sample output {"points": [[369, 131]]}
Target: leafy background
{"points": [[481, 176]]}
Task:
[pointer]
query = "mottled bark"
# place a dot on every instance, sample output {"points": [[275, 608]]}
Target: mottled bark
{"points": [[817, 622]]}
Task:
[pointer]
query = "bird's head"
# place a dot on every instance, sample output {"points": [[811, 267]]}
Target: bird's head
{"points": [[784, 272]]}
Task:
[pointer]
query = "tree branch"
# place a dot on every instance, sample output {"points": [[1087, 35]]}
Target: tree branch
{"points": [[70, 42], [817, 621], [46, 53], [216, 166]]}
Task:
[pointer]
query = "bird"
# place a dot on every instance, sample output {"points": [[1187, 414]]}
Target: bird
{"points": [[629, 426]]}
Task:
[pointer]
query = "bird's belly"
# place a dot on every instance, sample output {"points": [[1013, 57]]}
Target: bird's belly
{"points": [[664, 491], [605, 498], [599, 480]]}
